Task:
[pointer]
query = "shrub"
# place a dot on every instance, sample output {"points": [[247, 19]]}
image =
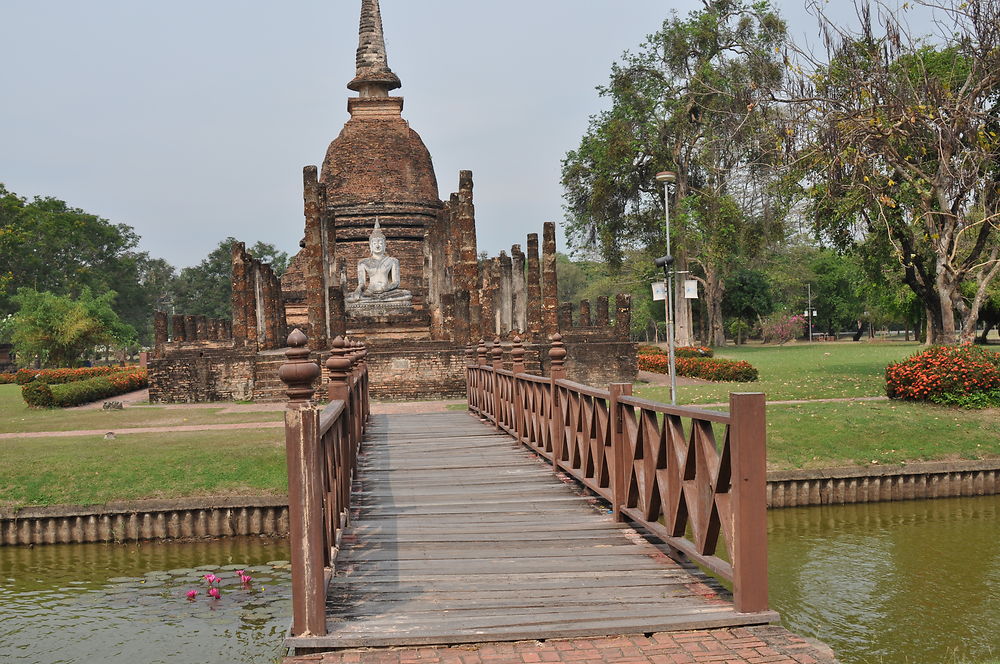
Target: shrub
{"points": [[79, 392], [781, 328], [61, 376], [651, 350], [37, 394], [708, 368], [7, 378], [680, 351], [950, 375]]}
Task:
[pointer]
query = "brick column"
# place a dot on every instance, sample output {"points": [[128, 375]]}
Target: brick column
{"points": [[518, 288], [177, 327], [584, 313], [566, 315], [466, 275], [506, 293], [602, 311], [534, 291], [238, 299], [623, 315], [550, 287], [312, 265], [159, 328]]}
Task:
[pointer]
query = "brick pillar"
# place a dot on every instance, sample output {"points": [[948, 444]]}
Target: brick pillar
{"points": [[602, 311], [460, 318], [584, 313], [519, 290], [190, 328], [550, 288], [506, 294], [566, 315], [159, 328], [239, 295], [534, 294], [487, 316], [312, 265], [253, 300], [623, 315], [201, 327], [465, 276], [177, 327]]}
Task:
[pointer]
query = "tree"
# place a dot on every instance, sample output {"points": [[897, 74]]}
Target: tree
{"points": [[206, 288], [901, 140], [47, 245], [748, 296], [694, 99], [59, 329]]}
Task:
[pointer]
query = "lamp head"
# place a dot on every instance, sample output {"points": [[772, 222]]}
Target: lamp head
{"points": [[663, 261], [666, 176]]}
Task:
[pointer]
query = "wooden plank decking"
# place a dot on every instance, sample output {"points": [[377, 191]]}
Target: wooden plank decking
{"points": [[460, 535]]}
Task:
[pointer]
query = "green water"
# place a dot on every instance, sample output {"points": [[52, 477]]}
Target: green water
{"points": [[893, 583], [115, 603], [886, 583]]}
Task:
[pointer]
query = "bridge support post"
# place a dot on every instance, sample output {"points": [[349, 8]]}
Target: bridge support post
{"points": [[470, 362], [305, 490], [517, 357], [748, 447], [497, 353], [481, 381], [619, 473], [557, 372]]}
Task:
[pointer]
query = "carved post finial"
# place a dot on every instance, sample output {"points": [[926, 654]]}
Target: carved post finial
{"points": [[517, 355], [497, 353], [298, 373], [339, 368], [557, 356], [481, 352], [470, 354]]}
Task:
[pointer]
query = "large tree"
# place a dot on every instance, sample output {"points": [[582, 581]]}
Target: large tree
{"points": [[47, 245], [901, 140], [695, 99]]}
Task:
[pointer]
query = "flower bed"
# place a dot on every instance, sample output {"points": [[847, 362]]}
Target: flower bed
{"points": [[7, 378], [966, 376], [61, 376], [708, 368], [40, 394]]}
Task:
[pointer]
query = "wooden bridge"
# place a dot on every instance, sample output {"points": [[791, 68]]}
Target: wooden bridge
{"points": [[549, 509]]}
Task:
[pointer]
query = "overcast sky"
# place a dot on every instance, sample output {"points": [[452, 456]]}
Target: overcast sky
{"points": [[191, 121]]}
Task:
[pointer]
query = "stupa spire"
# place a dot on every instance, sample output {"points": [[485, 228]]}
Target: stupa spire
{"points": [[374, 78]]}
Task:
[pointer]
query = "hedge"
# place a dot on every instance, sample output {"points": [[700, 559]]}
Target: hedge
{"points": [[41, 394], [708, 368], [61, 376], [7, 378]]}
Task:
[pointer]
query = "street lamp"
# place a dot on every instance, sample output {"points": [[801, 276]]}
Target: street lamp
{"points": [[666, 177]]}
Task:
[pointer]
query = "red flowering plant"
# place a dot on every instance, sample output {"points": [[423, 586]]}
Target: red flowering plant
{"points": [[680, 351], [62, 376], [950, 375], [709, 368], [40, 394]]}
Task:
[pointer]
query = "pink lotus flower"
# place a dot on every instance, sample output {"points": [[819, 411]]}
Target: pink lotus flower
{"points": [[211, 578], [214, 593], [191, 594], [245, 579]]}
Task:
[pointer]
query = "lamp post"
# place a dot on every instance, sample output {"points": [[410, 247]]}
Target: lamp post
{"points": [[666, 177]]}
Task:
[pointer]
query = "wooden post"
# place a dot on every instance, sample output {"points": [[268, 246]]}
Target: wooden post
{"points": [[339, 367], [305, 490], [481, 386], [748, 450], [619, 473], [470, 362], [517, 356], [557, 356], [497, 353]]}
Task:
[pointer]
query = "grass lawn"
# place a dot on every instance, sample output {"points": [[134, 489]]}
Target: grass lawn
{"points": [[88, 469], [16, 417], [799, 371], [815, 435]]}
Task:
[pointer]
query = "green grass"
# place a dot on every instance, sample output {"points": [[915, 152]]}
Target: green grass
{"points": [[885, 432], [799, 371], [16, 417], [88, 469]]}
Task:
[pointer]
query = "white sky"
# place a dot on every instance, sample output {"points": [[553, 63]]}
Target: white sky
{"points": [[191, 121]]}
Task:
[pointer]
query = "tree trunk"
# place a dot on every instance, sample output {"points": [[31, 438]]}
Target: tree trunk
{"points": [[714, 290], [682, 306]]}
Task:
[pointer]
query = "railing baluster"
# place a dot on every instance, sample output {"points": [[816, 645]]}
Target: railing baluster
{"points": [[747, 441]]}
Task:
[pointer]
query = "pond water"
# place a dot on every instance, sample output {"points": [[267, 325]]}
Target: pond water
{"points": [[891, 583], [118, 603], [885, 583]]}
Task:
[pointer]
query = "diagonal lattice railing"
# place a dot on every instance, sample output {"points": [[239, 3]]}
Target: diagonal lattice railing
{"points": [[694, 478]]}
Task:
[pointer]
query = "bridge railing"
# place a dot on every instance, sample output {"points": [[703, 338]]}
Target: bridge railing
{"points": [[321, 445], [689, 476]]}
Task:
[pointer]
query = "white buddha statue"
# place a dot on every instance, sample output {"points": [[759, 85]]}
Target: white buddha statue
{"points": [[378, 275]]}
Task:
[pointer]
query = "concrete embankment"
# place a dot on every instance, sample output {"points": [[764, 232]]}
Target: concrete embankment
{"points": [[225, 517]]}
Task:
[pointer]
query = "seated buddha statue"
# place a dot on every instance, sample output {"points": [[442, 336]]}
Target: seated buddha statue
{"points": [[378, 276]]}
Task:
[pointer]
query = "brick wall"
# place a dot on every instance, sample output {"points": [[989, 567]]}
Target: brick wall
{"points": [[202, 371], [419, 370]]}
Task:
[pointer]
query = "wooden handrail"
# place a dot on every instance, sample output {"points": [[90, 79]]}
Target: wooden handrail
{"points": [[321, 449], [658, 465]]}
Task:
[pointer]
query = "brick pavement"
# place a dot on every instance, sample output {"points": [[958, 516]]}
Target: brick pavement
{"points": [[765, 644]]}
